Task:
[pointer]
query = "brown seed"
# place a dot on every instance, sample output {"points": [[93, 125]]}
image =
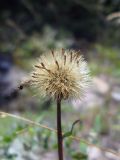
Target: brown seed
{"points": [[52, 53], [57, 64], [42, 64], [38, 66], [64, 59], [63, 51], [71, 56], [34, 76]]}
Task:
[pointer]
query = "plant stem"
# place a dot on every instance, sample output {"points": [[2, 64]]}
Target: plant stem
{"points": [[59, 129]]}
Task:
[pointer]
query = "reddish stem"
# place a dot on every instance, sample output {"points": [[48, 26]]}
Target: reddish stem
{"points": [[59, 129]]}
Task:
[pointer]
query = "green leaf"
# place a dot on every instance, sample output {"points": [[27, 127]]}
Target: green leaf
{"points": [[98, 124], [79, 156], [9, 138], [74, 123], [67, 134], [83, 148]]}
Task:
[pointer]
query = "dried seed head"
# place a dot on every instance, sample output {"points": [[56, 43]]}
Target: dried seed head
{"points": [[61, 74]]}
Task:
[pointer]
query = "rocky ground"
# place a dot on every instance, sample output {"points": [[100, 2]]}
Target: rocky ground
{"points": [[105, 91]]}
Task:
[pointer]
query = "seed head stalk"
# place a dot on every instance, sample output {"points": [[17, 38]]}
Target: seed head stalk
{"points": [[61, 74], [59, 129]]}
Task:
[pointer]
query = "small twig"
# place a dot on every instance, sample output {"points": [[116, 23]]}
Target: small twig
{"points": [[4, 114], [15, 26], [31, 9]]}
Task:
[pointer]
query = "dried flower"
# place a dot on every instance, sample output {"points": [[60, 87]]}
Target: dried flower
{"points": [[61, 73]]}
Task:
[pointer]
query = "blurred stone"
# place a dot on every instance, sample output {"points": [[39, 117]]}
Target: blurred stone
{"points": [[1, 152], [91, 100], [110, 156], [94, 153], [100, 85], [9, 86], [116, 94], [15, 76], [94, 96], [16, 148], [50, 156]]}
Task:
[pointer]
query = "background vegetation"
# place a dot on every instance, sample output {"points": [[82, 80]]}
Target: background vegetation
{"points": [[29, 28]]}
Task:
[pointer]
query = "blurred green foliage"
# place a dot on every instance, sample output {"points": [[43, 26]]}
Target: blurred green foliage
{"points": [[29, 28], [83, 19], [106, 60], [33, 136]]}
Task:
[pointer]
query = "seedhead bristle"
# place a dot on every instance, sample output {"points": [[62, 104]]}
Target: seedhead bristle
{"points": [[66, 75]]}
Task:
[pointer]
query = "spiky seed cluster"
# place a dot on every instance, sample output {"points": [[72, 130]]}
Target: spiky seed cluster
{"points": [[61, 73]]}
